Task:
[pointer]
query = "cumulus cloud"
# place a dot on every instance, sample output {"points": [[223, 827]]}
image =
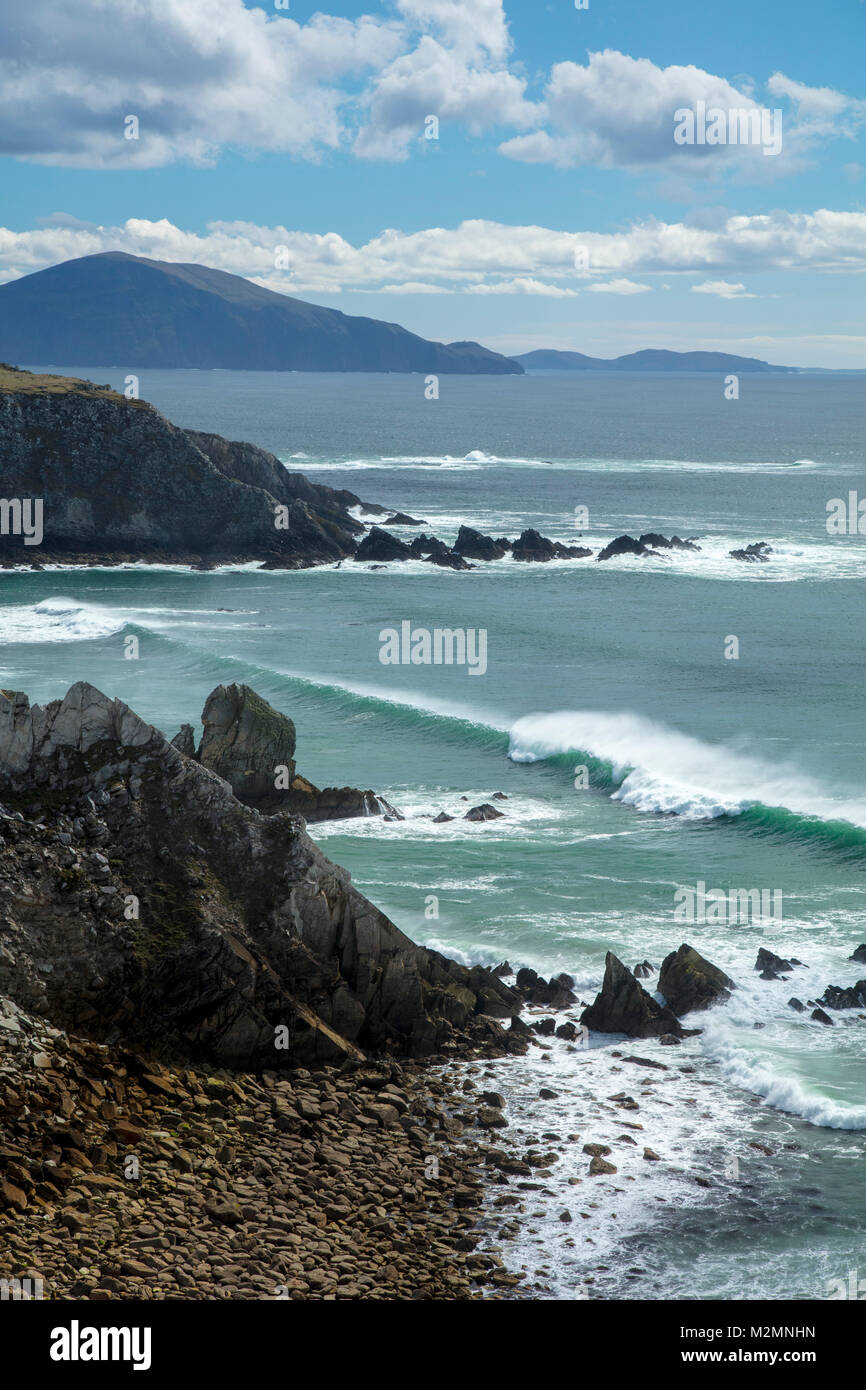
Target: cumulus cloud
{"points": [[202, 78], [621, 112], [480, 256], [621, 286], [723, 289]]}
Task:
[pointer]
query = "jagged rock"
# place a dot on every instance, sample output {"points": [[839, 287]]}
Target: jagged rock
{"points": [[483, 812], [773, 965], [532, 546], [557, 993], [836, 997], [379, 545], [243, 932], [476, 546], [758, 552], [184, 741], [859, 954], [820, 1017], [599, 1167], [247, 742], [447, 559], [441, 818], [653, 541], [644, 970], [623, 1006], [626, 545], [687, 981], [427, 545], [252, 745]]}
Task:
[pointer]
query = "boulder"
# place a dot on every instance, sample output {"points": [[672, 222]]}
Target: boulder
{"points": [[653, 541], [532, 546], [427, 545], [447, 559], [859, 954], [820, 1017], [758, 553], [483, 812], [623, 1006], [627, 545], [379, 545], [837, 997], [688, 982], [401, 519], [476, 546], [772, 966]]}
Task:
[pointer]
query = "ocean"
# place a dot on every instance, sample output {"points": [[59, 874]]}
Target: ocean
{"points": [[641, 750]]}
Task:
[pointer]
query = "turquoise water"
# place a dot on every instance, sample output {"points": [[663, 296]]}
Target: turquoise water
{"points": [[735, 773]]}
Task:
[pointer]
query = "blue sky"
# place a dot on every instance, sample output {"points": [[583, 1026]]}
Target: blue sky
{"points": [[298, 133]]}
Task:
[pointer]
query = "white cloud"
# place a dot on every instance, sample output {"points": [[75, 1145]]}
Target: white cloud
{"points": [[486, 257], [723, 289], [204, 77], [619, 111], [522, 284], [620, 286]]}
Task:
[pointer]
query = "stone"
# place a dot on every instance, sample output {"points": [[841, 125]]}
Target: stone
{"points": [[623, 1006], [689, 982], [599, 1167]]}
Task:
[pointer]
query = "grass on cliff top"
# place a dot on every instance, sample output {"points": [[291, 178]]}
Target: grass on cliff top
{"points": [[33, 383]]}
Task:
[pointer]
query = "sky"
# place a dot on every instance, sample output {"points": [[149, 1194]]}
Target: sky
{"points": [[519, 172]]}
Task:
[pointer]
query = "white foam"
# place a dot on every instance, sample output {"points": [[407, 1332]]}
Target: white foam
{"points": [[661, 770]]}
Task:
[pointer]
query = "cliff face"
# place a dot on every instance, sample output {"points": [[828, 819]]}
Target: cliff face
{"points": [[118, 479], [140, 900]]}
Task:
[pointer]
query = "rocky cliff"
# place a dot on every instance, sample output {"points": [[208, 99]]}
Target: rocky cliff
{"points": [[117, 480], [141, 901]]}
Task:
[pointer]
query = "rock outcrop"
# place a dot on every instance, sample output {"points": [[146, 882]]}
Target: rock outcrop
{"points": [[118, 481], [532, 546], [473, 545], [623, 1006], [251, 745], [758, 553], [687, 981], [141, 900]]}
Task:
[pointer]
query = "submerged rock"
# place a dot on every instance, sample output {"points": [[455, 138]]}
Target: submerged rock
{"points": [[627, 545], [483, 812], [837, 997], [653, 541], [688, 981], [623, 1006], [758, 552]]}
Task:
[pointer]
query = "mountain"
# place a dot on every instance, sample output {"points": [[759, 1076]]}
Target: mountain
{"points": [[114, 309], [647, 360]]}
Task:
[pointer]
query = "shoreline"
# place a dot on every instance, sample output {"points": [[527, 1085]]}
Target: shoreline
{"points": [[296, 1185]]}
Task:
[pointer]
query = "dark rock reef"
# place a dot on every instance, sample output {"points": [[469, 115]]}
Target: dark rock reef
{"points": [[140, 900], [623, 1006], [687, 981]]}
